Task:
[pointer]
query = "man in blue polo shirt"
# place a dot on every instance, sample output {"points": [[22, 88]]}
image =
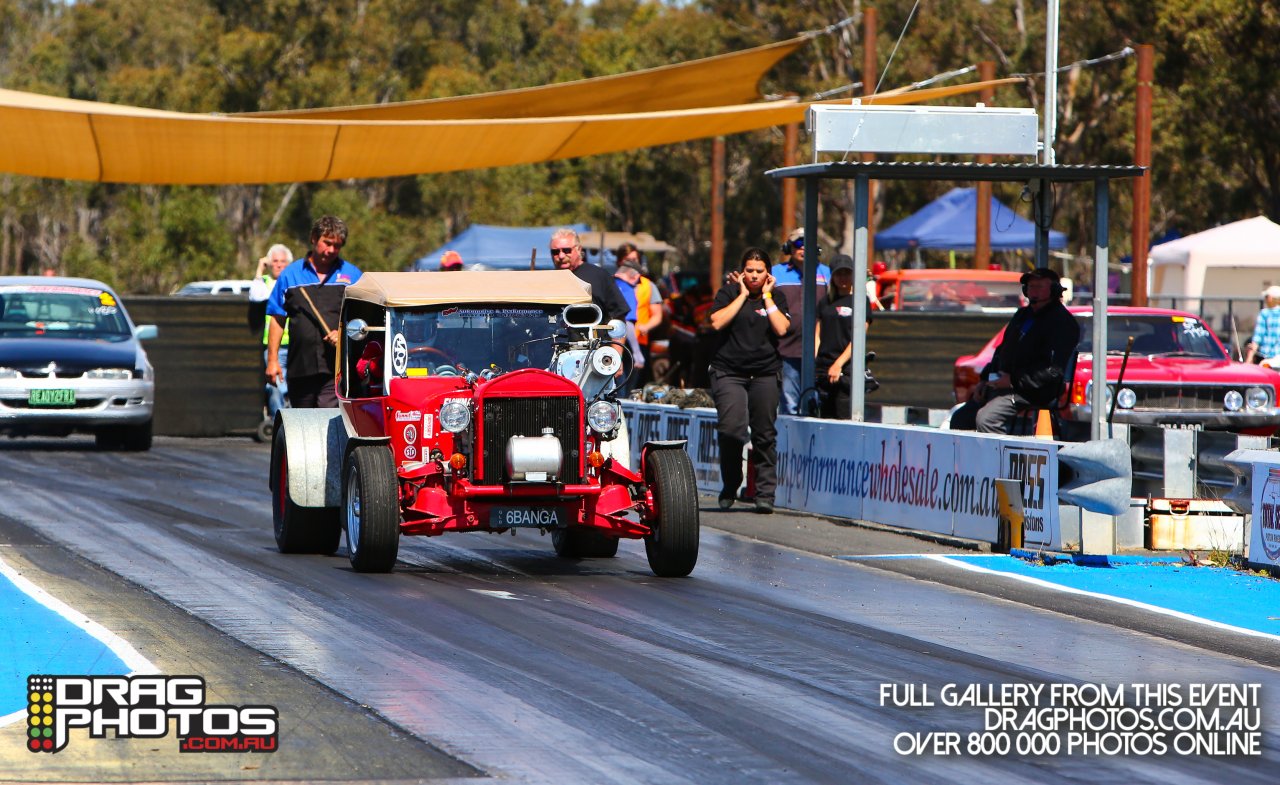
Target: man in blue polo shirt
{"points": [[789, 277], [308, 295]]}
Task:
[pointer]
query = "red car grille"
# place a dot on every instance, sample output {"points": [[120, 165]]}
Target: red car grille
{"points": [[1191, 398], [507, 417]]}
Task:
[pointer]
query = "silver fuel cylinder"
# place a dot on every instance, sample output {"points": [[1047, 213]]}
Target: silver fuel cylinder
{"points": [[534, 458]]}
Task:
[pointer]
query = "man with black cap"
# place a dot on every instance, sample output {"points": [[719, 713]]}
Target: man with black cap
{"points": [[1029, 367], [789, 275]]}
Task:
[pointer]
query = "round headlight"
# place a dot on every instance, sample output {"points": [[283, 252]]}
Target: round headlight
{"points": [[1233, 401], [1088, 394], [1256, 398], [1126, 398], [455, 416], [603, 416]]}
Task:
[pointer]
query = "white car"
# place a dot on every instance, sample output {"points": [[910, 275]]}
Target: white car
{"points": [[227, 288], [71, 360]]}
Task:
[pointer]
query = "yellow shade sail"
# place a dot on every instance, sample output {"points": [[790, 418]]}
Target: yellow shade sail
{"points": [[722, 80], [64, 138]]}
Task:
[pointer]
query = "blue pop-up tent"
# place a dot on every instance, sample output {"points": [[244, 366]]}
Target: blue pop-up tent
{"points": [[498, 247], [948, 223]]}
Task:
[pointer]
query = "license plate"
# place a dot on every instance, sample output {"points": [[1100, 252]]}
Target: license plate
{"points": [[535, 517], [43, 397]]}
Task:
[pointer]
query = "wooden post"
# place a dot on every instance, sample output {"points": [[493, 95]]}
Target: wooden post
{"points": [[870, 70], [982, 229], [1142, 185], [790, 139], [717, 213]]}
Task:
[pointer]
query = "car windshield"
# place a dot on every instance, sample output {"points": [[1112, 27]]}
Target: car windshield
{"points": [[959, 295], [425, 341], [61, 312], [1158, 335]]}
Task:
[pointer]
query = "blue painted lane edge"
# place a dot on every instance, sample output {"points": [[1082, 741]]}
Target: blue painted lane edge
{"points": [[1214, 596], [41, 634]]}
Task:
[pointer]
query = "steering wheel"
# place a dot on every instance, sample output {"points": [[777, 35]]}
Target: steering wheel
{"points": [[446, 370], [445, 356]]}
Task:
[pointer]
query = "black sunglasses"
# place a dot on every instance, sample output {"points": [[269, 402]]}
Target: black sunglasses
{"points": [[558, 251]]}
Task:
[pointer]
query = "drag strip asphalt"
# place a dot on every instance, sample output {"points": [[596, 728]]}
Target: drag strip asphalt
{"points": [[485, 656]]}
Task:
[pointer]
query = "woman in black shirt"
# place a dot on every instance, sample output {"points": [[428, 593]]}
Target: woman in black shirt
{"points": [[835, 341], [746, 380]]}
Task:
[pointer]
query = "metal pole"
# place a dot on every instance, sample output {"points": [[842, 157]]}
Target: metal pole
{"points": [[809, 291], [1050, 82], [1044, 217], [1142, 185], [1101, 229], [861, 255], [982, 229], [717, 213]]}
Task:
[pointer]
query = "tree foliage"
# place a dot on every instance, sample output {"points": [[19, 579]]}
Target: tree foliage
{"points": [[1217, 157]]}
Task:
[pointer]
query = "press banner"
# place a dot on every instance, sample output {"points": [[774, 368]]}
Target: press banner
{"points": [[1264, 531], [661, 422]]}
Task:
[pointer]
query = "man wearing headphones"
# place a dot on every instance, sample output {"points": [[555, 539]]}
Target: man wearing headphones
{"points": [[789, 277], [1029, 366]]}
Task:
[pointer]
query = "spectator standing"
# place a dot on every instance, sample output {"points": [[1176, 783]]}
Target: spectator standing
{"points": [[749, 316], [308, 295], [789, 275], [264, 281], [566, 254], [835, 341], [1029, 366], [1265, 344], [451, 260]]}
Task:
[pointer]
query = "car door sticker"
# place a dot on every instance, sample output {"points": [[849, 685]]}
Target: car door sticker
{"points": [[399, 354]]}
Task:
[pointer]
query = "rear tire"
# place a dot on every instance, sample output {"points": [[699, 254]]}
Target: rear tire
{"points": [[673, 547], [371, 508], [583, 544], [298, 529]]}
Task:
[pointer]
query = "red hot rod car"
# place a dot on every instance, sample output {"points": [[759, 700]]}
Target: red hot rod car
{"points": [[477, 401]]}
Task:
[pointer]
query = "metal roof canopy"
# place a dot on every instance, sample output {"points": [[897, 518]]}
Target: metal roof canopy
{"points": [[1036, 175]]}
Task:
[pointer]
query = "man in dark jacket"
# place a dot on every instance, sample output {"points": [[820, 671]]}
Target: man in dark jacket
{"points": [[566, 254], [1030, 364]]}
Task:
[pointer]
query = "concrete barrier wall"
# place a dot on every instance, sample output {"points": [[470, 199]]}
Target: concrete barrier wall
{"points": [[208, 364], [916, 353]]}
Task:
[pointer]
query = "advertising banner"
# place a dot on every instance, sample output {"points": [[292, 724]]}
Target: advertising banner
{"points": [[901, 475]]}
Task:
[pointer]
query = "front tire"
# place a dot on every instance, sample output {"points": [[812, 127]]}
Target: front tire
{"points": [[673, 547], [129, 438], [371, 508], [298, 529], [583, 544]]}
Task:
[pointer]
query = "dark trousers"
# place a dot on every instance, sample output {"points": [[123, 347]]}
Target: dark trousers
{"points": [[837, 398], [995, 415], [312, 392], [743, 401]]}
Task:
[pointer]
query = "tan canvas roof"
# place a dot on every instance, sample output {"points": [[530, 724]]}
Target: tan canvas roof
{"points": [[552, 287], [711, 81], [67, 139]]}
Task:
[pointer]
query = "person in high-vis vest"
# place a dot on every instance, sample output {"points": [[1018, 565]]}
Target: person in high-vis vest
{"points": [[264, 280], [648, 303]]}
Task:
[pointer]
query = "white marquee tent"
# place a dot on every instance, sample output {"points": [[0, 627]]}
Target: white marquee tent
{"points": [[1238, 259]]}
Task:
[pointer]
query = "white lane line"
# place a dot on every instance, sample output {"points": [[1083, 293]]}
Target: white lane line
{"points": [[1109, 597], [502, 595], [133, 660]]}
